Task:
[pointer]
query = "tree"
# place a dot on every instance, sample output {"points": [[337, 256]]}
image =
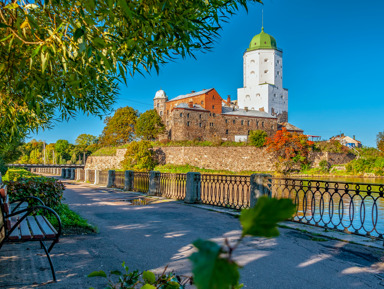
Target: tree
{"points": [[61, 57], [291, 149], [139, 156], [380, 141], [85, 140], [120, 128], [149, 125], [257, 138]]}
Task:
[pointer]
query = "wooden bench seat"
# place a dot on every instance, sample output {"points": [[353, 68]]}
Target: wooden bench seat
{"points": [[22, 221]]}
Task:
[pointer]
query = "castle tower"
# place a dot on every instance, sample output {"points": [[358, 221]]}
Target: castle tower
{"points": [[263, 78], [159, 103]]}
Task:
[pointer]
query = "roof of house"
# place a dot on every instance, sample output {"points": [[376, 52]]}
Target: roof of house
{"points": [[186, 106], [191, 94], [242, 112], [291, 127]]}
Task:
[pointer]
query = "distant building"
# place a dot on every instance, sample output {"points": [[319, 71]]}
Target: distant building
{"points": [[347, 141], [262, 103]]}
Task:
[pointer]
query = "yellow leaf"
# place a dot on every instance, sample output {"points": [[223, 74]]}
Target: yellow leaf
{"points": [[25, 24]]}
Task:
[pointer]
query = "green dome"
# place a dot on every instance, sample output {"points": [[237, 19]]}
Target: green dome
{"points": [[262, 41]]}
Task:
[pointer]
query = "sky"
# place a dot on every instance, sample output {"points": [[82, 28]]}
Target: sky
{"points": [[333, 68]]}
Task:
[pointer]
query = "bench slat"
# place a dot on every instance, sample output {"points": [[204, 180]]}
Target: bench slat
{"points": [[24, 230], [35, 229], [46, 227], [16, 233]]}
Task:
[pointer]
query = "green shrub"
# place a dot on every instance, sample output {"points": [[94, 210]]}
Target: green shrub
{"points": [[49, 190], [16, 174], [257, 138], [139, 157], [105, 151], [3, 167], [331, 146], [324, 166]]}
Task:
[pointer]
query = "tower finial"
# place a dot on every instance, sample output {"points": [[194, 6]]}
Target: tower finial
{"points": [[262, 20]]}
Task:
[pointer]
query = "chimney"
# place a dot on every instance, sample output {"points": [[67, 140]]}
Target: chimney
{"points": [[192, 91], [229, 100], [246, 108], [261, 109], [190, 104]]}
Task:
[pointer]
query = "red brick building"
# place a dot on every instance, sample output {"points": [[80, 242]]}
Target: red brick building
{"points": [[204, 115]]}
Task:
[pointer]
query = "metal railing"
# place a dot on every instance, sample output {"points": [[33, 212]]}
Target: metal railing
{"points": [[103, 178], [225, 191], [91, 176], [172, 186], [356, 208], [141, 182], [119, 180], [82, 175]]}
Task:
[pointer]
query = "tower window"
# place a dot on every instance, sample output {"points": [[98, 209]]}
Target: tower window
{"points": [[187, 123], [242, 122], [278, 61], [234, 121], [278, 73], [257, 123], [202, 102], [213, 114], [200, 116], [265, 71], [161, 113], [200, 124], [187, 115], [213, 107], [262, 124], [252, 72], [248, 97], [265, 59], [226, 121], [181, 114], [226, 131], [158, 105], [248, 122]]}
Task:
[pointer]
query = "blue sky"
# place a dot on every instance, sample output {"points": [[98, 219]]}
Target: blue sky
{"points": [[333, 68]]}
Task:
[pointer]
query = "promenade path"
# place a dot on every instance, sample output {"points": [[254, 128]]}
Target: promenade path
{"points": [[160, 234]]}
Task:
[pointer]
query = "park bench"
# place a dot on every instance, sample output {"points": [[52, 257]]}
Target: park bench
{"points": [[23, 221]]}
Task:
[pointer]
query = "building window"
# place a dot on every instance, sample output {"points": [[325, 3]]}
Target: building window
{"points": [[161, 113], [234, 121], [187, 123], [213, 97], [278, 61], [265, 71], [211, 124], [187, 115], [200, 124], [226, 121], [167, 123], [158, 105], [262, 124], [249, 122], [249, 132], [202, 102], [278, 73], [200, 116], [213, 107], [257, 123], [265, 59], [226, 131], [242, 122], [213, 115], [272, 127], [181, 114]]}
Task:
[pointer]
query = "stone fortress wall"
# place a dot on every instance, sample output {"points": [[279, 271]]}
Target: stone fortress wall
{"points": [[235, 159]]}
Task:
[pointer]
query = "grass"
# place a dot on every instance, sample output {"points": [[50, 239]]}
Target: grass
{"points": [[182, 169], [72, 223], [194, 143], [105, 151]]}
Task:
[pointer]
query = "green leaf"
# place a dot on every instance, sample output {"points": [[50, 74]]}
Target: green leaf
{"points": [[148, 286], [78, 33], [98, 274], [2, 25], [149, 277], [262, 219], [12, 6], [210, 270], [116, 272]]}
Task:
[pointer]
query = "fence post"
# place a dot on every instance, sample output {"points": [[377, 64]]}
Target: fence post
{"points": [[154, 182], [259, 187], [192, 193], [128, 180], [111, 179], [97, 177]]}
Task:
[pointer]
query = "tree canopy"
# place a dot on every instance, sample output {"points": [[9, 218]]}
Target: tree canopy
{"points": [[380, 141], [85, 140], [120, 128], [60, 57], [149, 125]]}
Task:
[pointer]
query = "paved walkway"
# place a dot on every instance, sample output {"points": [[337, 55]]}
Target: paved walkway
{"points": [[156, 235]]}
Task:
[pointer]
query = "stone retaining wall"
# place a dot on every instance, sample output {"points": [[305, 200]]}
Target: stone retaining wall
{"points": [[234, 159]]}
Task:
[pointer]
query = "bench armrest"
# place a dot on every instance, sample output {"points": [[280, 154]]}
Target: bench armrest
{"points": [[26, 199]]}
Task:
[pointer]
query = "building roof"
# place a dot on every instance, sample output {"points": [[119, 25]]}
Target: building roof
{"points": [[262, 41], [243, 112], [290, 127], [160, 94], [191, 94], [186, 106]]}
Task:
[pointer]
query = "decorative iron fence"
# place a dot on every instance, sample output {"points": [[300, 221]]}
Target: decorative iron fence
{"points": [[119, 180], [82, 175], [91, 176], [141, 182], [356, 208], [103, 178], [225, 190], [172, 186]]}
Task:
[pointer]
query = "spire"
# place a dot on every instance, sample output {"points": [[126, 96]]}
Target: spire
{"points": [[262, 20]]}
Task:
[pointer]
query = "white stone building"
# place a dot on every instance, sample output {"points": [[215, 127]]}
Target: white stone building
{"points": [[263, 78]]}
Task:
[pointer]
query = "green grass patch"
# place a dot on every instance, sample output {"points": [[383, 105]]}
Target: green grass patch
{"points": [[105, 151], [16, 174], [194, 143], [72, 223]]}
